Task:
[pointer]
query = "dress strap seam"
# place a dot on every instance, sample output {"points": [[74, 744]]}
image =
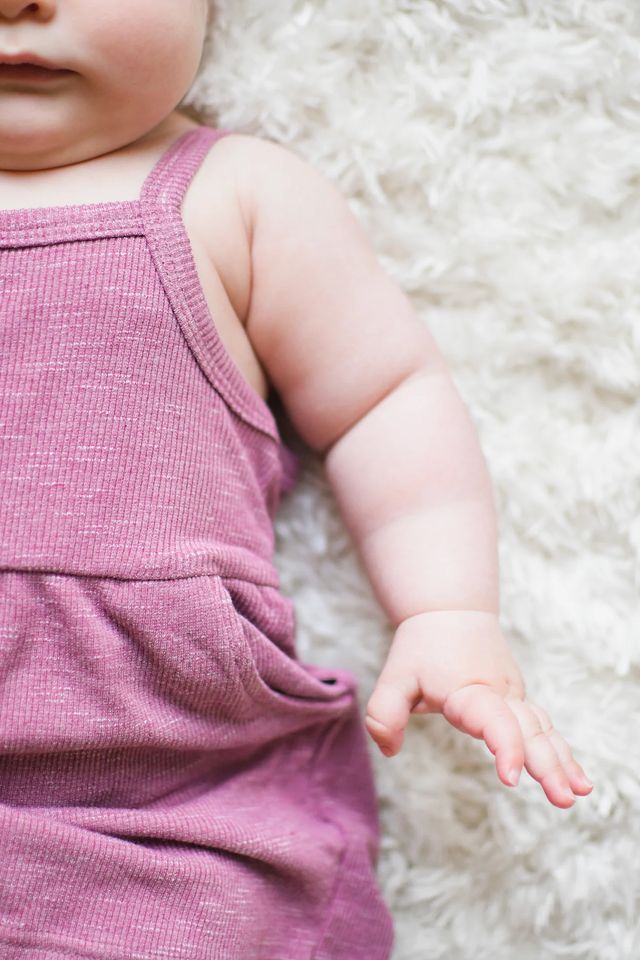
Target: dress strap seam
{"points": [[129, 224], [168, 179], [172, 254], [220, 574]]}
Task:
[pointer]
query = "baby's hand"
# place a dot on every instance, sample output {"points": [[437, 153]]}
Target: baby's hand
{"points": [[457, 662]]}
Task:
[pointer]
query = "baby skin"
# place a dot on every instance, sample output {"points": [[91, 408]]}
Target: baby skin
{"points": [[365, 385], [313, 314]]}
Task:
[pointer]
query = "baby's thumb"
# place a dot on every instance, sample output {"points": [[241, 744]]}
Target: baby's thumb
{"points": [[388, 708]]}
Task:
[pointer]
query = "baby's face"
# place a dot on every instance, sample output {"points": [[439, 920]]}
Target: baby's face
{"points": [[132, 61]]}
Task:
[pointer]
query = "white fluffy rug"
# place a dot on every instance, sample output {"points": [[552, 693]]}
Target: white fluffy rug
{"points": [[492, 150]]}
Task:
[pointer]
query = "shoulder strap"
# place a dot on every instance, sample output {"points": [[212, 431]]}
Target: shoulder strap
{"points": [[167, 182], [160, 207]]}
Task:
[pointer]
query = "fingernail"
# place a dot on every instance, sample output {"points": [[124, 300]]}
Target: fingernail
{"points": [[513, 777], [585, 780]]}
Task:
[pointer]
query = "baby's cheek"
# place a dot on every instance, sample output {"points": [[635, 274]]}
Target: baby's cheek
{"points": [[149, 50]]}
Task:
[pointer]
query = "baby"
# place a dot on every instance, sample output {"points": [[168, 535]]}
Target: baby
{"points": [[174, 781]]}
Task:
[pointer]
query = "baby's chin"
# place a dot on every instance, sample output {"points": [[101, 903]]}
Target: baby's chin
{"points": [[36, 140]]}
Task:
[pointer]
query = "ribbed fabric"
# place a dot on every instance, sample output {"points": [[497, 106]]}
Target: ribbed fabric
{"points": [[174, 782]]}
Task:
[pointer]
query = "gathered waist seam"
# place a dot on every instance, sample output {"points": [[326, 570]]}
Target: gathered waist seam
{"points": [[222, 575]]}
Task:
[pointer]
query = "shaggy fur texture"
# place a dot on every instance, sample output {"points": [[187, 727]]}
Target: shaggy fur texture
{"points": [[491, 148]]}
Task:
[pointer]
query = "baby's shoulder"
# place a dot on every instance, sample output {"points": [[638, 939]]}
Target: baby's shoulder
{"points": [[249, 195], [239, 175], [257, 154], [274, 179], [252, 160]]}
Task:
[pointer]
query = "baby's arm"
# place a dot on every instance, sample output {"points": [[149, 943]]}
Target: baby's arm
{"points": [[365, 385]]}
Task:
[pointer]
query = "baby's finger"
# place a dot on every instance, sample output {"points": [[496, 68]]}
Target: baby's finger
{"points": [[480, 711], [578, 780], [388, 711], [541, 759]]}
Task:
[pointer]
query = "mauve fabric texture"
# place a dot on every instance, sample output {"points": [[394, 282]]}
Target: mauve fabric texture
{"points": [[174, 782]]}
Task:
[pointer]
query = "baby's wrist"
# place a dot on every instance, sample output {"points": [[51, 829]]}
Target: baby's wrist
{"points": [[464, 613]]}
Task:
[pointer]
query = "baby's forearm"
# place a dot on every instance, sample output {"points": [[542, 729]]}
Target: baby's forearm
{"points": [[412, 485]]}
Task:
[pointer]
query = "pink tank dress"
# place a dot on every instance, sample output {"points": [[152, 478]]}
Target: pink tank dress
{"points": [[175, 783]]}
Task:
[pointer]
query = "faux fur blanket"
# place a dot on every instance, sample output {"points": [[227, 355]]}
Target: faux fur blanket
{"points": [[492, 150]]}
